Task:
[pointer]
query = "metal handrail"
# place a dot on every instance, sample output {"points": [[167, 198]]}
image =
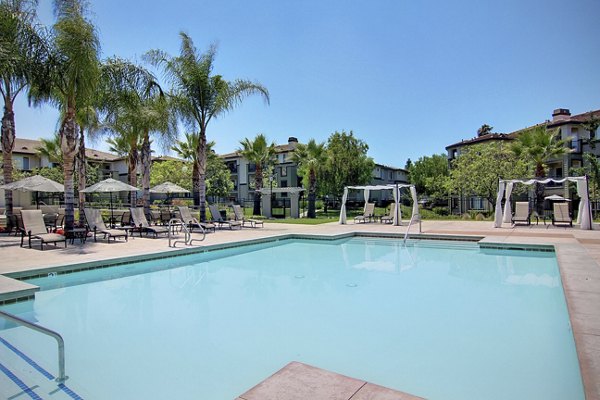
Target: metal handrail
{"points": [[61, 343], [187, 234], [412, 218]]}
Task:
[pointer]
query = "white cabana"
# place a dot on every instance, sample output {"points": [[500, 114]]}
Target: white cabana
{"points": [[395, 191], [293, 192], [505, 187]]}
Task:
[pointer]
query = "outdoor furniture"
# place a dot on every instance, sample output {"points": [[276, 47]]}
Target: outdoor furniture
{"points": [[522, 213], [561, 214], [141, 223], [368, 214], [217, 218], [191, 222], [389, 219], [239, 216], [34, 228], [96, 224], [77, 233]]}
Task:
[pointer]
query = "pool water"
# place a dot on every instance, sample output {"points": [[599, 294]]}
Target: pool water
{"points": [[438, 320]]}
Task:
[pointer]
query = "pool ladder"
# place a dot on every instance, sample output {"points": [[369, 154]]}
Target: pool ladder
{"points": [[61, 343], [414, 218], [188, 241]]}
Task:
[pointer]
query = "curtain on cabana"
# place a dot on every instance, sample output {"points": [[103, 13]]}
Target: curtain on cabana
{"points": [[396, 192], [584, 216]]}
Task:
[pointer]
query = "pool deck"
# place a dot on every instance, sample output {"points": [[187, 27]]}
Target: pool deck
{"points": [[578, 254]]}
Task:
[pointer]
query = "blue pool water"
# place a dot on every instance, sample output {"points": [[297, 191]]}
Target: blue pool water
{"points": [[438, 320]]}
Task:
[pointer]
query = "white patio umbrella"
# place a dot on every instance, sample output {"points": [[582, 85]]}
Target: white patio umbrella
{"points": [[168, 187], [556, 197], [36, 183], [110, 186]]}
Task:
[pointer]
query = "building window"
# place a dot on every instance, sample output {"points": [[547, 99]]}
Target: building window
{"points": [[559, 172], [26, 163], [251, 167], [283, 171]]}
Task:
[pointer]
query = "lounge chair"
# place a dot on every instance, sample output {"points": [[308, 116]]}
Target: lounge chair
{"points": [[216, 218], [367, 215], [239, 216], [96, 224], [34, 228], [141, 223], [389, 219], [191, 222], [522, 213], [561, 214]]}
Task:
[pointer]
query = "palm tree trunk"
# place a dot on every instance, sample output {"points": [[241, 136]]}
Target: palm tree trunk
{"points": [[8, 144], [68, 145], [146, 162], [81, 176], [196, 183], [312, 194], [202, 173], [132, 172], [258, 184], [539, 189]]}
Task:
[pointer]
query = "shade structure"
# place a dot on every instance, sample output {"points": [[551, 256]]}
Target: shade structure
{"points": [[36, 183], [168, 187], [110, 186]]}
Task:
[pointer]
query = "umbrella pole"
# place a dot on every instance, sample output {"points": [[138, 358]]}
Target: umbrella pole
{"points": [[37, 199], [112, 213]]}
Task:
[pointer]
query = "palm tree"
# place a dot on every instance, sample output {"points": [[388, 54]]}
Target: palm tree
{"points": [[50, 148], [187, 149], [537, 146], [21, 52], [310, 157], [198, 96], [72, 78], [262, 155], [87, 120]]}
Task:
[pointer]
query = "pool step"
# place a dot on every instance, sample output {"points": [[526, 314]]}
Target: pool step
{"points": [[23, 378], [298, 381]]}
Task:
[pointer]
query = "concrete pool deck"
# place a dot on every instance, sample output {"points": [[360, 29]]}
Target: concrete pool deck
{"points": [[578, 254]]}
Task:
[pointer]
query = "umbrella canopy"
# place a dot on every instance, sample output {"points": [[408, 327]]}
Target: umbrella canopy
{"points": [[36, 183], [556, 197], [108, 186], [168, 187]]}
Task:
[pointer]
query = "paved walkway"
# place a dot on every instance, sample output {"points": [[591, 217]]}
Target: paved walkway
{"points": [[578, 254]]}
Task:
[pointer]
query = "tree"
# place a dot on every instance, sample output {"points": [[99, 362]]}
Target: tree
{"points": [[310, 157], [199, 96], [485, 129], [22, 50], [479, 167], [88, 121], [50, 148], [347, 163], [218, 176], [592, 125], [591, 168], [71, 81], [537, 146], [187, 149], [429, 174], [126, 143], [177, 172], [262, 154]]}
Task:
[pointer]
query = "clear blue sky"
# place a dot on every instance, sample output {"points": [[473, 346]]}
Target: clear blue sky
{"points": [[408, 77]]}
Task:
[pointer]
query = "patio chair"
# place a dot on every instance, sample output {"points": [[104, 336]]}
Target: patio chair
{"points": [[126, 219], [522, 213], [389, 219], [141, 223], [561, 214], [191, 222], [35, 228], [96, 224], [218, 219], [165, 216], [239, 216], [368, 215]]}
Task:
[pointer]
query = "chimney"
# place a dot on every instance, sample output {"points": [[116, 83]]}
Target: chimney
{"points": [[560, 114], [292, 142]]}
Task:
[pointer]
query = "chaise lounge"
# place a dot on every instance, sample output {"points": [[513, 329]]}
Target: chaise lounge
{"points": [[368, 214], [561, 214], [217, 218], [191, 222], [96, 224], [35, 228], [522, 213], [239, 216], [141, 223]]}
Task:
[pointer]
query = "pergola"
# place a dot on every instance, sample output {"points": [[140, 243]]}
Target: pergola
{"points": [[395, 191], [505, 187], [294, 193]]}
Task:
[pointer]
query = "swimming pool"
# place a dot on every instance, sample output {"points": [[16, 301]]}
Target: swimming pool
{"points": [[435, 319]]}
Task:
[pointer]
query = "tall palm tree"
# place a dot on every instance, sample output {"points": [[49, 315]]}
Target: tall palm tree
{"points": [[199, 96], [72, 78], [87, 120], [22, 49], [187, 149], [310, 157], [537, 146], [262, 154]]}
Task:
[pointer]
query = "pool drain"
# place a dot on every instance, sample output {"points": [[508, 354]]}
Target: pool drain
{"points": [[299, 276], [351, 284]]}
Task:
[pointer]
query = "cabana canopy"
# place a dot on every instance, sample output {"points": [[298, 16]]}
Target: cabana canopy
{"points": [[396, 192], [505, 187]]}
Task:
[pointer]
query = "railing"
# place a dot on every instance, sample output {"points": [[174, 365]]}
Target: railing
{"points": [[412, 219], [174, 222], [61, 343]]}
